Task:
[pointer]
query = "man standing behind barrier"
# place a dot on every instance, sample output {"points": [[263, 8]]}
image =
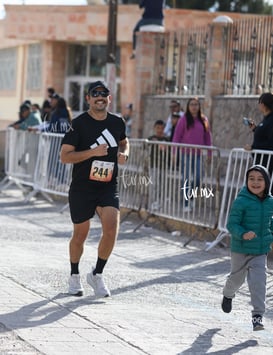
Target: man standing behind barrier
{"points": [[174, 107], [95, 144], [263, 132]]}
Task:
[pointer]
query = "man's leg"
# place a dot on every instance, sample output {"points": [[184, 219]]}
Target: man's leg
{"points": [[109, 217], [79, 236], [76, 244]]}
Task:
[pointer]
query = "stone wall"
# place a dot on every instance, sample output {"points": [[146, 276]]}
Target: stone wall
{"points": [[226, 117]]}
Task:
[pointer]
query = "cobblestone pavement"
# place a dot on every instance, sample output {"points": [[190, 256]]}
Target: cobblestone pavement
{"points": [[165, 297]]}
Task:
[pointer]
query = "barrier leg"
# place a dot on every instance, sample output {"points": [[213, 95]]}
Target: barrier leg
{"points": [[7, 184], [4, 181], [64, 208], [189, 240], [218, 240], [10, 183], [34, 192], [163, 223]]}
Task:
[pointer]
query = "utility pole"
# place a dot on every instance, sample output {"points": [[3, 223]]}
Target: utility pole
{"points": [[112, 50]]}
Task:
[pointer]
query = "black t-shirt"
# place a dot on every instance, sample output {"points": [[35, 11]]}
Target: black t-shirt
{"points": [[263, 134], [158, 154], [86, 133]]}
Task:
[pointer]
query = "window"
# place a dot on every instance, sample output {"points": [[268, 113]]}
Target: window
{"points": [[77, 55], [87, 63], [8, 60], [89, 60], [34, 67]]}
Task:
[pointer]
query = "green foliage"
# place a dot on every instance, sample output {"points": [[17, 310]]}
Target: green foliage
{"points": [[243, 6], [191, 4], [246, 6]]}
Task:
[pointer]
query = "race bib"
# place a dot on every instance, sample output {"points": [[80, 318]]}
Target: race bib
{"points": [[101, 171]]}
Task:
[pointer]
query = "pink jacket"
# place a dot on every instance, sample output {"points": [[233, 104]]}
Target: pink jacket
{"points": [[195, 135]]}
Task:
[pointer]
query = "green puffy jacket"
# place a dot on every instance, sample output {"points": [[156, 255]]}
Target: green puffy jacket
{"points": [[249, 213]]}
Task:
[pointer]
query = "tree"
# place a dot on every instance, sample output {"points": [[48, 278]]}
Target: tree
{"points": [[244, 6], [191, 4]]}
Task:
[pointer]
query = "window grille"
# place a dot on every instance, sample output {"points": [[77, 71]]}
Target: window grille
{"points": [[8, 64], [34, 67]]}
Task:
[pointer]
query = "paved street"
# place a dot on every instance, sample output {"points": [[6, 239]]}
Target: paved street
{"points": [[165, 297]]}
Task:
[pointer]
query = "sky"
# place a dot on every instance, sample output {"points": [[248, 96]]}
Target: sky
{"points": [[39, 2], [49, 2]]}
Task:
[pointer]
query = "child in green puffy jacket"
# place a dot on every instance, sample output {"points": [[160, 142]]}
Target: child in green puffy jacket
{"points": [[250, 225]]}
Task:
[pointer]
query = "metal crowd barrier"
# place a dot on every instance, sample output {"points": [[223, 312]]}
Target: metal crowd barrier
{"points": [[50, 175], [133, 177], [239, 162], [32, 159], [175, 181], [21, 150], [185, 182]]}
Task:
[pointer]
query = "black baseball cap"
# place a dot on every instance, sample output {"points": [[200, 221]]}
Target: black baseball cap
{"points": [[98, 84]]}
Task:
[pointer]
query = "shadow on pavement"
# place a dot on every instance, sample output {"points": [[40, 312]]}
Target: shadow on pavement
{"points": [[204, 341], [44, 312]]}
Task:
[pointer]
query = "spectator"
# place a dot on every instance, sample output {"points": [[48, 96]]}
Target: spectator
{"points": [[158, 152], [174, 107], [158, 161], [20, 117], [174, 120], [61, 117], [263, 132], [46, 111], [50, 92], [128, 119], [158, 135], [46, 103], [153, 15], [28, 118], [35, 108], [192, 128]]}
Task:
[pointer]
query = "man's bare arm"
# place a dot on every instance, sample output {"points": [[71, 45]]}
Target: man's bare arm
{"points": [[68, 154], [124, 148]]}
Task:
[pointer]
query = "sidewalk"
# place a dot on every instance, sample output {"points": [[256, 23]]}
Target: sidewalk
{"points": [[165, 298]]}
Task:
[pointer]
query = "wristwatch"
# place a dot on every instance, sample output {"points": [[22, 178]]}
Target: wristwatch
{"points": [[126, 156]]}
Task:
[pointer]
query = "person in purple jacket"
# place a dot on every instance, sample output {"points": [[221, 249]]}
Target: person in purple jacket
{"points": [[152, 15], [192, 128]]}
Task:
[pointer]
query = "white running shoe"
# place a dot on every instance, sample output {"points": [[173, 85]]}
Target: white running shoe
{"points": [[97, 283], [75, 286]]}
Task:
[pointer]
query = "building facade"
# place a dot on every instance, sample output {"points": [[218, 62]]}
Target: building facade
{"points": [[65, 47]]}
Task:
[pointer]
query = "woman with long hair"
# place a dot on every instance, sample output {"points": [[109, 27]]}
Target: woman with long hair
{"points": [[193, 129], [60, 117]]}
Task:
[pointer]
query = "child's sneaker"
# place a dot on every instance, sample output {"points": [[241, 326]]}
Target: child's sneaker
{"points": [[227, 304], [257, 322]]}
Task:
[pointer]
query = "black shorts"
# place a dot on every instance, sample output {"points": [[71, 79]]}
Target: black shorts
{"points": [[83, 203]]}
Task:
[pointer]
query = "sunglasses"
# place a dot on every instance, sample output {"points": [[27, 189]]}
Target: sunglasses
{"points": [[96, 93]]}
